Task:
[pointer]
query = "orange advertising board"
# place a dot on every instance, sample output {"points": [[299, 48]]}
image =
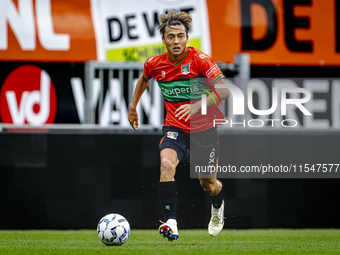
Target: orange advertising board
{"points": [[276, 32], [36, 30]]}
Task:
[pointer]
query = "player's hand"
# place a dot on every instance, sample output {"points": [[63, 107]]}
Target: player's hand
{"points": [[186, 110], [133, 118]]}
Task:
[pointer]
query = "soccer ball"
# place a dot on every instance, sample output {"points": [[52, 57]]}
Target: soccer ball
{"points": [[113, 229]]}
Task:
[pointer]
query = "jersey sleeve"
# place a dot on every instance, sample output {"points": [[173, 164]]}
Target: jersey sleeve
{"points": [[209, 69], [147, 72]]}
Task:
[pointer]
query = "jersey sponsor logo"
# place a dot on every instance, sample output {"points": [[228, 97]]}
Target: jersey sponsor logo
{"points": [[172, 135], [150, 59], [179, 91], [202, 56], [185, 69], [212, 70], [28, 97]]}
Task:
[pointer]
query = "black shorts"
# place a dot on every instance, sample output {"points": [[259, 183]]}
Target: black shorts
{"points": [[203, 146]]}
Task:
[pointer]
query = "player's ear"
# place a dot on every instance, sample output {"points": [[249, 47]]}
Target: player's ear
{"points": [[163, 39]]}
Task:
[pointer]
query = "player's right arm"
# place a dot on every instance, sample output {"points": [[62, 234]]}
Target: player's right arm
{"points": [[141, 86]]}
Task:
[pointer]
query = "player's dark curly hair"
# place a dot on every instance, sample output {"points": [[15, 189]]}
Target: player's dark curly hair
{"points": [[175, 18]]}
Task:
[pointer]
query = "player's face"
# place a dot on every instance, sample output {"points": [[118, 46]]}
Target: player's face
{"points": [[175, 40]]}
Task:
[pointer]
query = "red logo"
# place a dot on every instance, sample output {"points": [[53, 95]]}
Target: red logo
{"points": [[28, 97]]}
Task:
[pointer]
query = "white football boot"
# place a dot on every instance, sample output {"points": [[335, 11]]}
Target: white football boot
{"points": [[217, 220], [169, 229]]}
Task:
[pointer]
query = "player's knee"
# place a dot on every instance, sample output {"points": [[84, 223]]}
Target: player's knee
{"points": [[167, 167], [167, 164]]}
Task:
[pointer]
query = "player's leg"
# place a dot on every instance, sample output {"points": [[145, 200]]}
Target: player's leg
{"points": [[167, 184], [168, 193], [172, 148], [214, 189], [205, 152]]}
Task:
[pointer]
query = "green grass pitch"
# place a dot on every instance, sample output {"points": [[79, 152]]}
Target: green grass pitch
{"points": [[255, 241]]}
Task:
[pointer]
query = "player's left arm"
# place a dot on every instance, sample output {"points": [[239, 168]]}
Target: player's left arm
{"points": [[189, 110]]}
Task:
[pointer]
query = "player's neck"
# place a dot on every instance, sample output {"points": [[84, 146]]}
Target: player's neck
{"points": [[176, 58]]}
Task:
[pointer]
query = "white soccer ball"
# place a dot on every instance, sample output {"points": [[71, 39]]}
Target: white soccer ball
{"points": [[113, 229]]}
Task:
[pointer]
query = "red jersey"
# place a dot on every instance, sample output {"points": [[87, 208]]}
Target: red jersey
{"points": [[183, 82]]}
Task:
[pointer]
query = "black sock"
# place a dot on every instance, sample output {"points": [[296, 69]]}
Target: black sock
{"points": [[168, 194], [217, 199]]}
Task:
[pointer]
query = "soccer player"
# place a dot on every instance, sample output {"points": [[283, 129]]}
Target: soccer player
{"points": [[182, 74]]}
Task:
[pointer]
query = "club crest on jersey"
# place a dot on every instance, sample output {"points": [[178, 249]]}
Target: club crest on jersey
{"points": [[163, 73], [185, 69], [172, 135]]}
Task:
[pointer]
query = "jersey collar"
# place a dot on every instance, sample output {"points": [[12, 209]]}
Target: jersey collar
{"points": [[179, 61]]}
